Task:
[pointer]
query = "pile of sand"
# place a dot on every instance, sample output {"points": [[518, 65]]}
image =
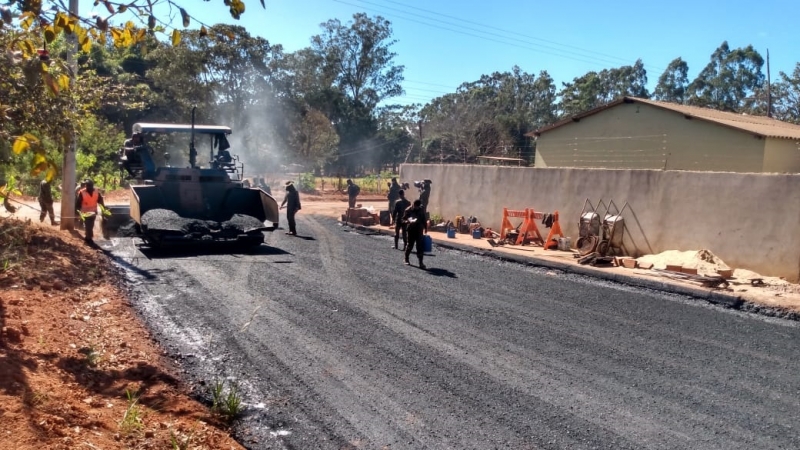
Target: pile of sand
{"points": [[704, 261], [707, 263]]}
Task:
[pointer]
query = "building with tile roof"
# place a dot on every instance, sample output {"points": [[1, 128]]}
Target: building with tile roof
{"points": [[636, 133]]}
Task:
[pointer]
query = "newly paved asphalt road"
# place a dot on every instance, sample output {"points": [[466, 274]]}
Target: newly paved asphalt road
{"points": [[336, 344]]}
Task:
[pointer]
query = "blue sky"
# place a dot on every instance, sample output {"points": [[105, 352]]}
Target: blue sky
{"points": [[445, 43]]}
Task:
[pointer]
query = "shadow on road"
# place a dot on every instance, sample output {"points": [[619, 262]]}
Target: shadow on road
{"points": [[182, 252], [441, 273], [305, 238]]}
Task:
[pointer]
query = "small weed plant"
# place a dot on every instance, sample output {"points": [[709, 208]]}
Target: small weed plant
{"points": [[92, 357], [227, 404], [180, 443], [35, 399], [132, 419]]}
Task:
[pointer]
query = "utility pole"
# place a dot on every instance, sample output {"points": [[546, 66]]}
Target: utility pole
{"points": [[68, 167], [769, 90], [419, 124]]}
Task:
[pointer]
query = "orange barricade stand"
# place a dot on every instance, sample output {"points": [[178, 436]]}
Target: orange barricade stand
{"points": [[527, 231], [555, 230]]}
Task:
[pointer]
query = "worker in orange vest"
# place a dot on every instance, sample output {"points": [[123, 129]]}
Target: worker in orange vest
{"points": [[87, 200]]}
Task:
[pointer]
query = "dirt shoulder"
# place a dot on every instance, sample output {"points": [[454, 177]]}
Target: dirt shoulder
{"points": [[77, 368]]}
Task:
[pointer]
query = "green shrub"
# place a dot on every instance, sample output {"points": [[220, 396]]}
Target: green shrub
{"points": [[307, 182]]}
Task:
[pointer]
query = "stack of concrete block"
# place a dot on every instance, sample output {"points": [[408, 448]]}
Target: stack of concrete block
{"points": [[360, 216]]}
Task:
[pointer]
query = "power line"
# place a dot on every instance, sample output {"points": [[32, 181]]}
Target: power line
{"points": [[430, 90], [431, 84], [599, 61], [510, 31]]}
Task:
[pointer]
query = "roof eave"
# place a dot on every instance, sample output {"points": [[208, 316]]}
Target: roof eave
{"points": [[578, 117]]}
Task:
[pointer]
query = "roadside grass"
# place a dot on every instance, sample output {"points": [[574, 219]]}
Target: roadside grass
{"points": [[371, 184], [180, 442], [34, 399], [14, 236], [228, 404], [309, 183], [132, 420]]}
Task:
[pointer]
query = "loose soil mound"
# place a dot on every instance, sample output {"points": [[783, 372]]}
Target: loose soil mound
{"points": [[704, 261], [72, 350]]}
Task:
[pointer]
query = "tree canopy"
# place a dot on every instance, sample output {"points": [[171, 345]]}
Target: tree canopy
{"points": [[326, 108]]}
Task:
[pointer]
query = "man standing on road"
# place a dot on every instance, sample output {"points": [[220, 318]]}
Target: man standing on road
{"points": [[414, 217], [393, 196], [292, 204], [352, 193], [46, 202], [87, 200], [400, 229]]}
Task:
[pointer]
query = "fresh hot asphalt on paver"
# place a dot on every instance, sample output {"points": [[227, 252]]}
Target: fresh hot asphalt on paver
{"points": [[336, 344]]}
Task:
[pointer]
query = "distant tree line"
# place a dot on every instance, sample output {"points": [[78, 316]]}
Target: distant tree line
{"points": [[327, 108]]}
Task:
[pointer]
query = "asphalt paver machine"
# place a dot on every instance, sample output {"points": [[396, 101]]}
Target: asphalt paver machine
{"points": [[193, 203]]}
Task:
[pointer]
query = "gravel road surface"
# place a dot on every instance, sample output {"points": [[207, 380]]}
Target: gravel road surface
{"points": [[335, 344]]}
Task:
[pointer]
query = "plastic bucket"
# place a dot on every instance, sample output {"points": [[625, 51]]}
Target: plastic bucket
{"points": [[476, 233], [427, 243], [451, 233]]}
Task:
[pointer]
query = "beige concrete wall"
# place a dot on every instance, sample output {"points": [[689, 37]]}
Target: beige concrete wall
{"points": [[749, 220], [641, 136], [781, 156]]}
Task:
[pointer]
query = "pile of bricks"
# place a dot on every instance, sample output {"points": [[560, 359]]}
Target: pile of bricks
{"points": [[360, 216]]}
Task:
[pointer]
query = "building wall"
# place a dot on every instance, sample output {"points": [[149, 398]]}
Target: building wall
{"points": [[749, 220], [781, 156], [641, 136]]}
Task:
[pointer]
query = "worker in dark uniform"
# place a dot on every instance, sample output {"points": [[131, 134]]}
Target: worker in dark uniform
{"points": [[425, 194], [46, 202], [414, 217], [400, 207], [393, 196], [292, 204], [352, 193], [129, 154], [223, 159], [87, 200]]}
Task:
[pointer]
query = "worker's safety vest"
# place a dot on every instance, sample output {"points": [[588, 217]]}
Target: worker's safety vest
{"points": [[89, 201]]}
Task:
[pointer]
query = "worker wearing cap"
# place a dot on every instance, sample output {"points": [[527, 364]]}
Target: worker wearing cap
{"points": [[292, 204], [87, 200], [352, 193]]}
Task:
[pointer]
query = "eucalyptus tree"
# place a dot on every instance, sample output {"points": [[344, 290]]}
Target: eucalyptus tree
{"points": [[672, 84], [357, 60], [786, 96], [595, 89], [728, 79]]}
